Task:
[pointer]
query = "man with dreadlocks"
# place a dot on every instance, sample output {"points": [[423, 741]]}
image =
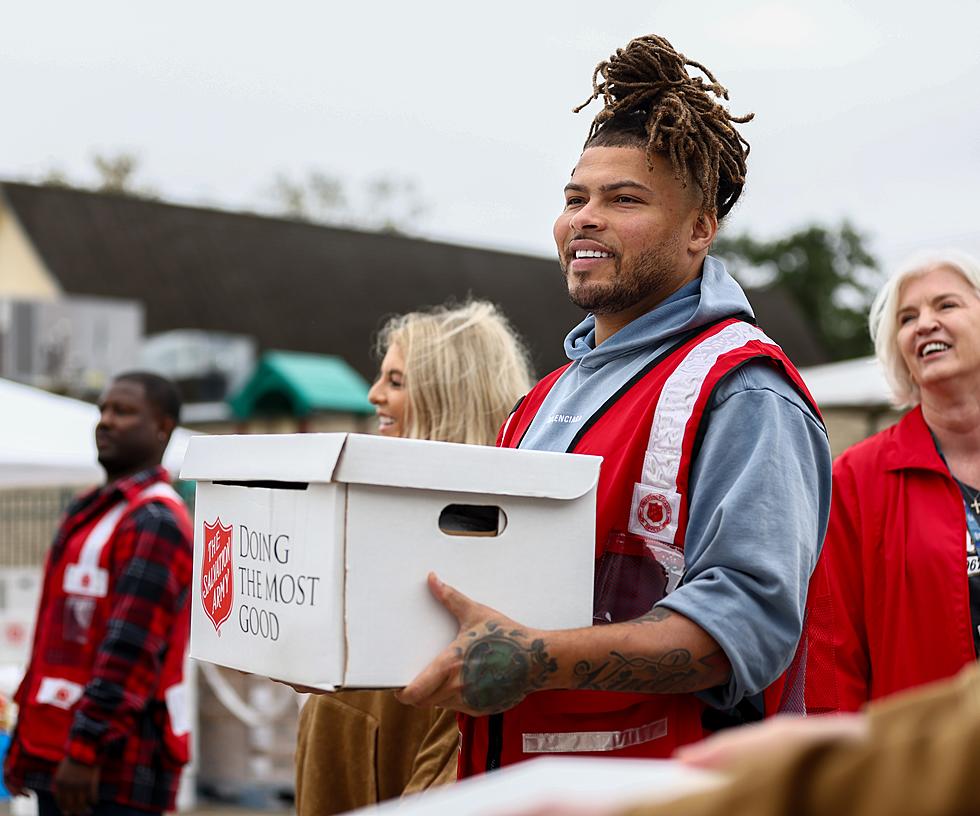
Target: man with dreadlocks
{"points": [[715, 485]]}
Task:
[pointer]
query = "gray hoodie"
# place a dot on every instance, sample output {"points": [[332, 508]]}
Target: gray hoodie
{"points": [[759, 488]]}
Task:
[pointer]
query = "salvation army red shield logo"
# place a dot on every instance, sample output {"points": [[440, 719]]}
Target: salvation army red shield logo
{"points": [[653, 512], [217, 573]]}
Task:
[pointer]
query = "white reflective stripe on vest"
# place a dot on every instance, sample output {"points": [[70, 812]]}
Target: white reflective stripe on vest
{"points": [[58, 692], [159, 490], [510, 418], [570, 742], [177, 698], [680, 392], [86, 577]]}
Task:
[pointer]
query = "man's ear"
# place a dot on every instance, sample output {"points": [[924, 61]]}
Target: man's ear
{"points": [[166, 425], [703, 232]]}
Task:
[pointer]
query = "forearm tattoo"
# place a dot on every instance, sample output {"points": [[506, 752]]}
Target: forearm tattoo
{"points": [[658, 613], [500, 668], [675, 672]]}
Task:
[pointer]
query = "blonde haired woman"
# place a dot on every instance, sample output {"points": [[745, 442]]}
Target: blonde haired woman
{"points": [[895, 602], [449, 374]]}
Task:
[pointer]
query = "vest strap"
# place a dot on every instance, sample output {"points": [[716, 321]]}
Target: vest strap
{"points": [[655, 510], [86, 577]]}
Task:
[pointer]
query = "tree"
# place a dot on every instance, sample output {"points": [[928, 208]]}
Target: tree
{"points": [[115, 173], [828, 272], [382, 204]]}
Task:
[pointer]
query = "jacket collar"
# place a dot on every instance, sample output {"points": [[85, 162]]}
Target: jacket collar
{"points": [[98, 500], [132, 486], [911, 446], [127, 488]]}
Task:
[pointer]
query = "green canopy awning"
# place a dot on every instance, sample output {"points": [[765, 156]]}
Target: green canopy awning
{"points": [[296, 384]]}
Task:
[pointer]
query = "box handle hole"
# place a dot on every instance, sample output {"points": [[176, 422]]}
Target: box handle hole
{"points": [[272, 485], [478, 520]]}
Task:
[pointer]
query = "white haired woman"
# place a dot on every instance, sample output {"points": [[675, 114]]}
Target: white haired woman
{"points": [[895, 602], [451, 375]]}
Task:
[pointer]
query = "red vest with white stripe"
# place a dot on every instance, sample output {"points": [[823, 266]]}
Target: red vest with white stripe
{"points": [[647, 436], [75, 606]]}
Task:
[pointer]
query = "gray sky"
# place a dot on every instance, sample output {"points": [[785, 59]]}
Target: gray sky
{"points": [[863, 110]]}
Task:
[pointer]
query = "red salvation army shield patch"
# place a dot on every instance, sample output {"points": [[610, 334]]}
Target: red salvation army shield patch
{"points": [[653, 512], [217, 576]]}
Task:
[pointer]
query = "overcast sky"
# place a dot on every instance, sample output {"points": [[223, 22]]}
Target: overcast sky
{"points": [[866, 110]]}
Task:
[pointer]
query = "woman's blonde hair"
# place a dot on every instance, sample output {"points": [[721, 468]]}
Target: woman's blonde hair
{"points": [[883, 318], [464, 369]]}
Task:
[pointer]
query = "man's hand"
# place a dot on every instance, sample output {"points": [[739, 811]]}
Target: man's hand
{"points": [[76, 787], [491, 666]]}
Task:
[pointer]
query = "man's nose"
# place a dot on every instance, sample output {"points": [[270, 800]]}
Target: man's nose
{"points": [[587, 217]]}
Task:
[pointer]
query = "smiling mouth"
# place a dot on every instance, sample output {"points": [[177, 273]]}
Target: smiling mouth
{"points": [[385, 421], [590, 253], [933, 348]]}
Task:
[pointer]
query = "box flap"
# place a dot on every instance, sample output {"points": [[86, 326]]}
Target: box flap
{"points": [[415, 463], [556, 784], [263, 457]]}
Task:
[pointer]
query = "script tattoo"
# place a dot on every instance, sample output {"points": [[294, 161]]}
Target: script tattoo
{"points": [[499, 669], [675, 672], [655, 615]]}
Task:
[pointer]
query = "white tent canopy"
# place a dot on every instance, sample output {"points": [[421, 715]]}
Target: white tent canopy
{"points": [[46, 439], [848, 384]]}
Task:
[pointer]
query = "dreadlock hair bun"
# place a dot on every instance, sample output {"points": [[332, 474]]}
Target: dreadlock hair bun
{"points": [[651, 101]]}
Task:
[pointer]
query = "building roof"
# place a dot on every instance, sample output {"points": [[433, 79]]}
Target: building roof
{"points": [[301, 384], [302, 286], [856, 383]]}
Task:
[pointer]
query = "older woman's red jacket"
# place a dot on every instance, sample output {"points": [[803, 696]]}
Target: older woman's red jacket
{"points": [[889, 603]]}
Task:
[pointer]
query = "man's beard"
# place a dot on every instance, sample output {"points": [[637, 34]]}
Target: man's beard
{"points": [[653, 271]]}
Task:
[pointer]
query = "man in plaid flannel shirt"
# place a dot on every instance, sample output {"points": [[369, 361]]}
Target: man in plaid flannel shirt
{"points": [[102, 727]]}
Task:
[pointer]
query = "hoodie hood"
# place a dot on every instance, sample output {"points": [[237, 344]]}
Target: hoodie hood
{"points": [[712, 296]]}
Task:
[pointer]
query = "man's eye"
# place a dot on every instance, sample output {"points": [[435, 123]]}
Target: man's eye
{"points": [[574, 201], [625, 199]]}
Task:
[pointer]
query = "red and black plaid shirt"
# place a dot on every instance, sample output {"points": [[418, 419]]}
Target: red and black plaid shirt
{"points": [[118, 723]]}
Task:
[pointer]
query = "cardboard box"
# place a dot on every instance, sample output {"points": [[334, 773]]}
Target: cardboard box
{"points": [[311, 551], [553, 784]]}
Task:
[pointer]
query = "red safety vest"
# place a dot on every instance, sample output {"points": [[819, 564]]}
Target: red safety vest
{"points": [[647, 435], [76, 603]]}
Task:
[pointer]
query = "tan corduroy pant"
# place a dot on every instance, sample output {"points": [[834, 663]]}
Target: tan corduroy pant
{"points": [[357, 748]]}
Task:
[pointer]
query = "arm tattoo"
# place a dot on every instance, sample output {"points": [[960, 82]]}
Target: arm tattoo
{"points": [[499, 668], [676, 672], [655, 615]]}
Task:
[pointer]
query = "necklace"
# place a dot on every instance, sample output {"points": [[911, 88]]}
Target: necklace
{"points": [[974, 500]]}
